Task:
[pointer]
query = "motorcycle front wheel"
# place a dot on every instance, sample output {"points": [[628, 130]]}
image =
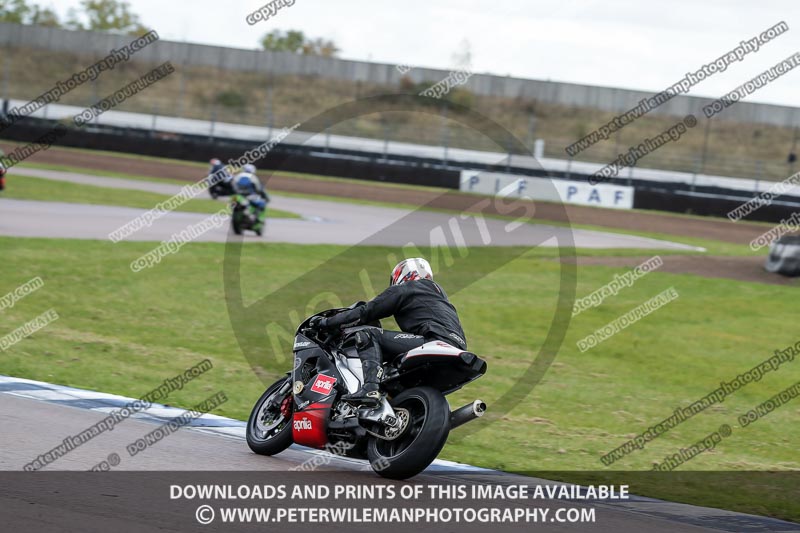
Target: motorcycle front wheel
{"points": [[236, 223], [269, 428], [425, 426]]}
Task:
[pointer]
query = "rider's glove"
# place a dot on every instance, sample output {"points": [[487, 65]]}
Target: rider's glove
{"points": [[319, 323]]}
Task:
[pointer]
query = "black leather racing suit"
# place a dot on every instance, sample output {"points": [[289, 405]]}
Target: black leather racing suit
{"points": [[421, 309]]}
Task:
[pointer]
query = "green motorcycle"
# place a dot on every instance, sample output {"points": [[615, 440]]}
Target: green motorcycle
{"points": [[248, 213]]}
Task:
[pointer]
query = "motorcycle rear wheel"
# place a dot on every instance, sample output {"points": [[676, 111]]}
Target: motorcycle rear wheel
{"points": [[269, 429], [422, 439]]}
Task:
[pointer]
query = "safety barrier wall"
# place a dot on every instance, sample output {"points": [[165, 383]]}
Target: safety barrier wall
{"points": [[282, 157], [708, 201]]}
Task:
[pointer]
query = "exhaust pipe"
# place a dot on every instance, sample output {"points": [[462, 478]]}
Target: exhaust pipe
{"points": [[469, 412]]}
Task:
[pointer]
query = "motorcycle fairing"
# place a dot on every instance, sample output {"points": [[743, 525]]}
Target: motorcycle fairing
{"points": [[434, 348], [439, 365], [320, 381], [310, 424]]}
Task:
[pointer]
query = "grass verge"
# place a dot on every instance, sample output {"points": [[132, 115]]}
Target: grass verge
{"points": [[45, 190], [130, 331]]}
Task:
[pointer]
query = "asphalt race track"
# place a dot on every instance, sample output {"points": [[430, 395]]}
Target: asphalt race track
{"points": [[323, 222], [36, 417], [187, 450]]}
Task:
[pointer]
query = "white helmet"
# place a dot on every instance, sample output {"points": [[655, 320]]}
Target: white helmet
{"points": [[410, 270], [250, 169]]}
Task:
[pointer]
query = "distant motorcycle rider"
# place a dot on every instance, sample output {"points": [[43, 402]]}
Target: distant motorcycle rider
{"points": [[247, 184], [220, 180], [421, 309], [218, 166]]}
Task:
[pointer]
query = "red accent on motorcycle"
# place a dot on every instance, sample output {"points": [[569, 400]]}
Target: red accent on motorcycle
{"points": [[310, 425], [286, 406]]}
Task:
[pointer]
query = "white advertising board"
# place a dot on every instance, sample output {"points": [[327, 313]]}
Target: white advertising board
{"points": [[548, 190]]}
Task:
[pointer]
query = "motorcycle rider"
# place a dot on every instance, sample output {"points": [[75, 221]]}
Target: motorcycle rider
{"points": [[247, 184], [219, 177], [421, 309]]}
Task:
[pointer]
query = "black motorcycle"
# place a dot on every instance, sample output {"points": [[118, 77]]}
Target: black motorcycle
{"points": [[400, 437], [220, 187]]}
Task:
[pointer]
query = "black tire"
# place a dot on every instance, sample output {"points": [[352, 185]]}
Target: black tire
{"points": [[279, 437], [422, 440], [236, 223]]}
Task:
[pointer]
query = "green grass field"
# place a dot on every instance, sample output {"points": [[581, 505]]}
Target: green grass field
{"points": [[23, 187], [124, 333]]}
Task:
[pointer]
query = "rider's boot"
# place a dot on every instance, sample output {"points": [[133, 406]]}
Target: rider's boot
{"points": [[369, 393]]}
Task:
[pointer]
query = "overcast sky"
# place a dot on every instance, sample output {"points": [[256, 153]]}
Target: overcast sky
{"points": [[636, 44]]}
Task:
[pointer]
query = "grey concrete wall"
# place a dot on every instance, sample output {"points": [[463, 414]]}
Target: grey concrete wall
{"points": [[97, 44]]}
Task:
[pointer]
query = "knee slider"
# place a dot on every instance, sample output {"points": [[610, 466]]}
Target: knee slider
{"points": [[363, 340]]}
